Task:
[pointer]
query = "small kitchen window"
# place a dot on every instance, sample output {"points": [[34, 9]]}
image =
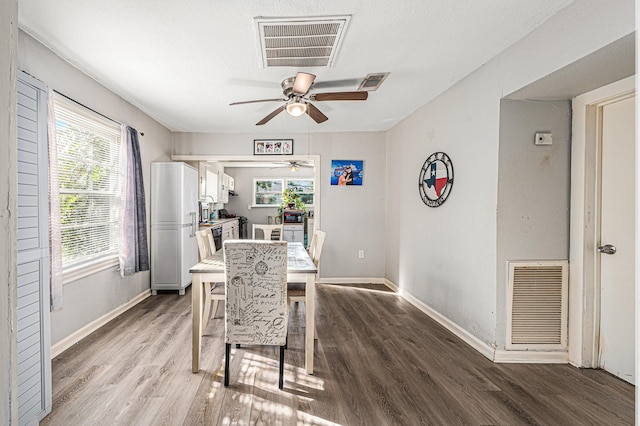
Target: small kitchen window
{"points": [[304, 188], [267, 192]]}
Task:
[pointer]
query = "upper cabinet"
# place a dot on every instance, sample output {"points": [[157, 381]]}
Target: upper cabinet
{"points": [[214, 183], [208, 182], [226, 184], [202, 180]]}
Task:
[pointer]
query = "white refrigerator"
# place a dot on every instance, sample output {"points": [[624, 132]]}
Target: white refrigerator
{"points": [[174, 222]]}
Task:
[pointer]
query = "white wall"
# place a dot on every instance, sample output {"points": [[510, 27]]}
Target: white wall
{"points": [[533, 190], [8, 213], [244, 177], [447, 257], [353, 217], [87, 299]]}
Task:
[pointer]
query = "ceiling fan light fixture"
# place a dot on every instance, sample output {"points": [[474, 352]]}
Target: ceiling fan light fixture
{"points": [[296, 108], [293, 168]]}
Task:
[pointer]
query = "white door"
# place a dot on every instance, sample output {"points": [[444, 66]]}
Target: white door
{"points": [[617, 270]]}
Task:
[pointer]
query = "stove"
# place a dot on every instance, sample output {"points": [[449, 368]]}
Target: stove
{"points": [[242, 220]]}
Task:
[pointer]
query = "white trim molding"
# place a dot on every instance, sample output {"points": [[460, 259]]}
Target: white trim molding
{"points": [[74, 338], [532, 357], [477, 344], [351, 280]]}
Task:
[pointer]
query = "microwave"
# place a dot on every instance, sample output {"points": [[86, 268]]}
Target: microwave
{"points": [[293, 216]]}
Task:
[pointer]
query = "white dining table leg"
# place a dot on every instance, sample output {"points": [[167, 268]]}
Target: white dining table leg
{"points": [[310, 307], [196, 314]]}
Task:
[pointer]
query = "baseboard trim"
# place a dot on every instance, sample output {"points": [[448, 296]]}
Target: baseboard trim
{"points": [[75, 337], [351, 280], [531, 357], [477, 344], [391, 285]]}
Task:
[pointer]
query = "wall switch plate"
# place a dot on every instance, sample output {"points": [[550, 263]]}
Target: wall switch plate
{"points": [[360, 254], [544, 139]]}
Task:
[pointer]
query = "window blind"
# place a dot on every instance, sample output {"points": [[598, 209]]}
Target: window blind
{"points": [[90, 171]]}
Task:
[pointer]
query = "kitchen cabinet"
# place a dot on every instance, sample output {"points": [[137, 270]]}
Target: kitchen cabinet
{"points": [[174, 206], [226, 184], [212, 186], [293, 233], [202, 180], [207, 183]]}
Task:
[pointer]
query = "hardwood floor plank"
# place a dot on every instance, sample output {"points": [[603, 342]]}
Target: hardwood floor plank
{"points": [[378, 361]]}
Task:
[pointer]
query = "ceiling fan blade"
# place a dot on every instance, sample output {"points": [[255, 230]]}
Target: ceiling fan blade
{"points": [[340, 96], [258, 100], [270, 116], [303, 83], [316, 114]]}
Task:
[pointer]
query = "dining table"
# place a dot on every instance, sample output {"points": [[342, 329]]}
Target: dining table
{"points": [[300, 269]]}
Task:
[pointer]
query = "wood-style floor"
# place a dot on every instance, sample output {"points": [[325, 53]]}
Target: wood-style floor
{"points": [[378, 361]]}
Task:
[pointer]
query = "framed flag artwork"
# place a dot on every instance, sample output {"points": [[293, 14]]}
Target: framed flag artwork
{"points": [[436, 179]]}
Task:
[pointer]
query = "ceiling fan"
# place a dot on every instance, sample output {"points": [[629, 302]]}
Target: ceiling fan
{"points": [[297, 99], [293, 165]]}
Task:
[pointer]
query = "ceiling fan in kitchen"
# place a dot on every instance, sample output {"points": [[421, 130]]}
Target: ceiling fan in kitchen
{"points": [[297, 99], [292, 164]]}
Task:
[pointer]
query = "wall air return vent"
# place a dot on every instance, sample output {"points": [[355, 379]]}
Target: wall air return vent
{"points": [[300, 42], [537, 299]]}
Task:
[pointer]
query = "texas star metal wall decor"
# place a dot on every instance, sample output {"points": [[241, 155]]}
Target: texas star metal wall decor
{"points": [[436, 179]]}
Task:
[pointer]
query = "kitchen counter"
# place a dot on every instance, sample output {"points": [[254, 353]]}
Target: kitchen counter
{"points": [[215, 223]]}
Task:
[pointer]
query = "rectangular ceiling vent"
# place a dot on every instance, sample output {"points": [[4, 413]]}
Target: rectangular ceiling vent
{"points": [[300, 42], [537, 302], [372, 81]]}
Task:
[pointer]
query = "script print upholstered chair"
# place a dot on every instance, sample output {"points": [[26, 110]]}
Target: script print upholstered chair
{"points": [[256, 296]]}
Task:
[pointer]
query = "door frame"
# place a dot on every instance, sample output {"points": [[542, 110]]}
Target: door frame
{"points": [[586, 169]]}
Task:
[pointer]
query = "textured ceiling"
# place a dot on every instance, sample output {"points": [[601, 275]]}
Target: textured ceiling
{"points": [[183, 62]]}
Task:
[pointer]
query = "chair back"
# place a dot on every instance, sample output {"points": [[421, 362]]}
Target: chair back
{"points": [[269, 232], [317, 242], [256, 292], [206, 243]]}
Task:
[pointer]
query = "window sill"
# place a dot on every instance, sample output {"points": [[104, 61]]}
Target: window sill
{"points": [[85, 269]]}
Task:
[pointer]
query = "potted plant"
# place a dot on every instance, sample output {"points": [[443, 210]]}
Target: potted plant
{"points": [[291, 200]]}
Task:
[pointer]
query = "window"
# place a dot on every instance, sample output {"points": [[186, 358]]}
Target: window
{"points": [[268, 192], [90, 173], [304, 188]]}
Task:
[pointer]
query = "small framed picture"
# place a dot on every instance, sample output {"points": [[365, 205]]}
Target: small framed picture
{"points": [[273, 147], [346, 172]]}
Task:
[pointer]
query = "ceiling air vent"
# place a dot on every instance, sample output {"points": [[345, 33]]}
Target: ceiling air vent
{"points": [[372, 81], [300, 42]]}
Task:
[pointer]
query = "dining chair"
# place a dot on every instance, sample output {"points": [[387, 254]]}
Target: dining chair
{"points": [[269, 232], [256, 297], [206, 248], [296, 291]]}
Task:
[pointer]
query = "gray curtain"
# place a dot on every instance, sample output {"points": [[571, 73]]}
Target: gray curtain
{"points": [[135, 251]]}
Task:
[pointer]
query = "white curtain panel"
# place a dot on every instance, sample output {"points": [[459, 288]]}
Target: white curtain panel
{"points": [[55, 246]]}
